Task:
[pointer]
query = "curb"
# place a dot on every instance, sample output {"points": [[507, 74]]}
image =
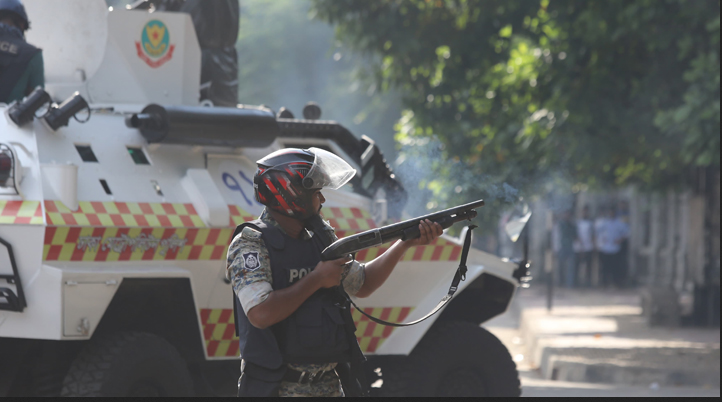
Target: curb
{"points": [[576, 369], [599, 352]]}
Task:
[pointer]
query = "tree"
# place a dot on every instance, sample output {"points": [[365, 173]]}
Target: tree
{"points": [[505, 94]]}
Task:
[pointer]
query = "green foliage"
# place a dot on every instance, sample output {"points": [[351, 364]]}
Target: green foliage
{"points": [[538, 93]]}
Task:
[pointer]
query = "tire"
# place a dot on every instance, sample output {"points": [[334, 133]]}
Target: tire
{"points": [[128, 364], [454, 359]]}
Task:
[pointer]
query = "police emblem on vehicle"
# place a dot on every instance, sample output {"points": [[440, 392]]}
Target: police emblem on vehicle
{"points": [[154, 47], [251, 261]]}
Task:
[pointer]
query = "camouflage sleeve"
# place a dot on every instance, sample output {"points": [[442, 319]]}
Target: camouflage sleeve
{"points": [[353, 277], [249, 268]]}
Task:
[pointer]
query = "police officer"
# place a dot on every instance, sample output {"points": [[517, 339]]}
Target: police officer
{"points": [[294, 333], [21, 64]]}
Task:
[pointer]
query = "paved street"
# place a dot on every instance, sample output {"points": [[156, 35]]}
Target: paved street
{"points": [[535, 387], [604, 333]]}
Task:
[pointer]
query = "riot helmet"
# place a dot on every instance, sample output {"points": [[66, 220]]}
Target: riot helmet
{"points": [[15, 10], [287, 179]]}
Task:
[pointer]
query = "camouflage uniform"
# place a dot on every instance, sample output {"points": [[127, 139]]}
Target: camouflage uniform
{"points": [[254, 285], [326, 387]]}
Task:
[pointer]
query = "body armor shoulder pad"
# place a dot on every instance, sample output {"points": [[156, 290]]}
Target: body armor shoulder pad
{"points": [[249, 233], [271, 235]]}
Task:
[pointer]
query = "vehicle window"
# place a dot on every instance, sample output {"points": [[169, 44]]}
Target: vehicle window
{"points": [[86, 153], [138, 156]]}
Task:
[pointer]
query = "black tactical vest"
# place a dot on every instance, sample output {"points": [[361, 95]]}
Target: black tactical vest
{"points": [[15, 55], [315, 332]]}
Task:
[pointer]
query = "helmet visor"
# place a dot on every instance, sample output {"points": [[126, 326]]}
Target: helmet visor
{"points": [[328, 171]]}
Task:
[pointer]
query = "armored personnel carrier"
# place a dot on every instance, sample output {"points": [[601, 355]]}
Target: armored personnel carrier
{"points": [[119, 193]]}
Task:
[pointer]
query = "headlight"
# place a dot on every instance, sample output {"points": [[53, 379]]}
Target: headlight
{"points": [[10, 171], [58, 116], [6, 168], [23, 112]]}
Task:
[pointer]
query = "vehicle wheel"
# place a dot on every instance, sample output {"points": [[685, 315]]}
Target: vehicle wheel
{"points": [[128, 364], [454, 359]]}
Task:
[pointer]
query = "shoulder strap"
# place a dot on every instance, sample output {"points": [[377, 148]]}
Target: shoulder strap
{"points": [[458, 277], [254, 224]]}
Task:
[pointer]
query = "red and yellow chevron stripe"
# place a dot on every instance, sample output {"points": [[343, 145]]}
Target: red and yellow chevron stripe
{"points": [[239, 216], [219, 332], [348, 219], [123, 214], [221, 340], [143, 226], [21, 213], [101, 244], [371, 335], [439, 250]]}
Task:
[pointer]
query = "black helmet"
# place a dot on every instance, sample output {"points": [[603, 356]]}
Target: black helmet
{"points": [[286, 179], [16, 9]]}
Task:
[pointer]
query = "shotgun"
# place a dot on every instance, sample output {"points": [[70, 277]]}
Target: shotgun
{"points": [[406, 230]]}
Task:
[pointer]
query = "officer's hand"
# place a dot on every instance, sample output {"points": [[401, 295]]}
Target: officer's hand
{"points": [[328, 273], [429, 232]]}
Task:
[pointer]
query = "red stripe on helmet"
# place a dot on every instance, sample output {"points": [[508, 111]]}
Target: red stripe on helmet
{"points": [[275, 192], [284, 183]]}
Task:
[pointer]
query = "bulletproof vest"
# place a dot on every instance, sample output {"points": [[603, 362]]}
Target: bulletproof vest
{"points": [[15, 55], [315, 332]]}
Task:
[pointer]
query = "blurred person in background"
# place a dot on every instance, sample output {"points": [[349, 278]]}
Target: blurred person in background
{"points": [[21, 64], [610, 232], [623, 215], [599, 227], [584, 247], [565, 236]]}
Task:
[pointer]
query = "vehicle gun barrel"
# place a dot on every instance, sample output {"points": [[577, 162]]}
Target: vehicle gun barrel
{"points": [[198, 125]]}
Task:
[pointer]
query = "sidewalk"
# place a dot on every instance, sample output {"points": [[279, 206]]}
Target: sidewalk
{"points": [[598, 337]]}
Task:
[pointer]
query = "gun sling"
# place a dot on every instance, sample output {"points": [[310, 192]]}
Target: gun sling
{"points": [[458, 277]]}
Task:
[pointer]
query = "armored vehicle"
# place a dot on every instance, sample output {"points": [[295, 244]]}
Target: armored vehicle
{"points": [[119, 193]]}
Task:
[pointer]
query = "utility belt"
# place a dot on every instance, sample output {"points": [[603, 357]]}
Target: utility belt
{"points": [[258, 381], [305, 377]]}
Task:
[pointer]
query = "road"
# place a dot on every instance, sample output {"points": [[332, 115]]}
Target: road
{"points": [[506, 328], [532, 386]]}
